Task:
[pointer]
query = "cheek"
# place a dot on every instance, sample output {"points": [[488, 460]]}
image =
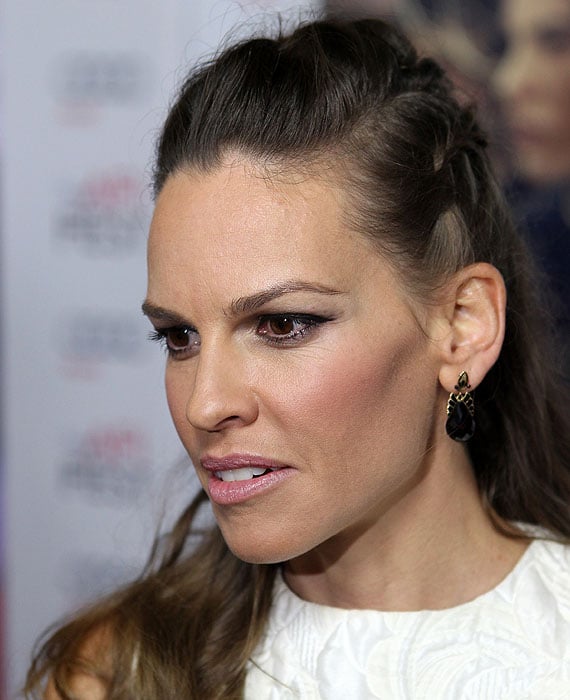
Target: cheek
{"points": [[557, 98], [351, 398], [342, 390], [177, 392], [564, 112], [555, 82]]}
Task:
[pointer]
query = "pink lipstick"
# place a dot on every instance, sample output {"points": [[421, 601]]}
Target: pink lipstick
{"points": [[236, 478]]}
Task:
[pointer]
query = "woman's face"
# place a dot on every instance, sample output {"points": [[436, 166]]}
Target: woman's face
{"points": [[533, 82], [298, 377]]}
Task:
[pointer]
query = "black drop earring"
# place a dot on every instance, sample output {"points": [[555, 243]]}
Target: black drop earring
{"points": [[460, 424]]}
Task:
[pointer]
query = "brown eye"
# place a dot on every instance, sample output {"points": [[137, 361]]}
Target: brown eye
{"points": [[179, 341], [287, 328], [178, 338], [281, 325]]}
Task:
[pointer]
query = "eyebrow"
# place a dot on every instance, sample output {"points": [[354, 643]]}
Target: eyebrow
{"points": [[246, 304], [254, 301], [159, 313]]}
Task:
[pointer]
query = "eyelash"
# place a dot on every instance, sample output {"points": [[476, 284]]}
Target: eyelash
{"points": [[161, 336], [308, 324]]}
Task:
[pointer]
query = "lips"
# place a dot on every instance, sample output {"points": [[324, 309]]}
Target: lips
{"points": [[237, 478]]}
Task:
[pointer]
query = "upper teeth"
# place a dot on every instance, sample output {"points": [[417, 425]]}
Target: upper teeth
{"points": [[240, 474]]}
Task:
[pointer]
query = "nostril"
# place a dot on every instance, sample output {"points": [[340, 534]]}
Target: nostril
{"points": [[225, 423]]}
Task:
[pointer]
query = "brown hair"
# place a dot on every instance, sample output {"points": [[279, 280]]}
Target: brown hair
{"points": [[416, 168]]}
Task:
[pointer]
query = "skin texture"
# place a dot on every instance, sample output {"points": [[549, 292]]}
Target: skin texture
{"points": [[379, 502], [533, 84]]}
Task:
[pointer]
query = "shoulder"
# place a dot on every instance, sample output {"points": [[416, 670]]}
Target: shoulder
{"points": [[548, 560], [539, 593], [86, 679], [548, 567]]}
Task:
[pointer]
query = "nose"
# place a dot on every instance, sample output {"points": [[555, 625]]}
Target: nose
{"points": [[513, 76], [221, 395]]}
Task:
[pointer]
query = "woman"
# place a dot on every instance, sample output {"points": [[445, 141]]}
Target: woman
{"points": [[532, 81], [329, 267]]}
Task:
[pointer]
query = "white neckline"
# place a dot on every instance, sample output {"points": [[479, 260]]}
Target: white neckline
{"points": [[281, 588]]}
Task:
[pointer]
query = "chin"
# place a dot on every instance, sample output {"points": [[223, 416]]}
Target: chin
{"points": [[262, 550], [259, 552]]}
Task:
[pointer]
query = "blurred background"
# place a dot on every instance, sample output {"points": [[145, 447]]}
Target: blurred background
{"points": [[89, 462]]}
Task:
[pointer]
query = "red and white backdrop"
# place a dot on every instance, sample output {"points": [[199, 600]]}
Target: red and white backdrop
{"points": [[88, 453]]}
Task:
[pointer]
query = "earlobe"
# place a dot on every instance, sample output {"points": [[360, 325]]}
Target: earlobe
{"points": [[476, 303]]}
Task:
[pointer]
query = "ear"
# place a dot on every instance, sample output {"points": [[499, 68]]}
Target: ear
{"points": [[473, 313]]}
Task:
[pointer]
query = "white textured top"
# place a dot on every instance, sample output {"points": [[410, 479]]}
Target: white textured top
{"points": [[512, 643]]}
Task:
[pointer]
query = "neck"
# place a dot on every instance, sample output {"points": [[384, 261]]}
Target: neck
{"points": [[435, 548]]}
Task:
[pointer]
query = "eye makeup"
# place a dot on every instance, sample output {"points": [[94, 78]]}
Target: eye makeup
{"points": [[276, 329]]}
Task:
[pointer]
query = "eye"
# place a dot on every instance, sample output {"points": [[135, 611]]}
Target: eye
{"points": [[281, 325], [555, 40], [287, 328], [179, 341]]}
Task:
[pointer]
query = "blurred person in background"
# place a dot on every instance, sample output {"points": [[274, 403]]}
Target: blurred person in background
{"points": [[532, 82]]}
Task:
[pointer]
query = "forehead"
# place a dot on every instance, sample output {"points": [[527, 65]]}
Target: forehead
{"points": [[237, 225], [527, 15], [231, 203]]}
